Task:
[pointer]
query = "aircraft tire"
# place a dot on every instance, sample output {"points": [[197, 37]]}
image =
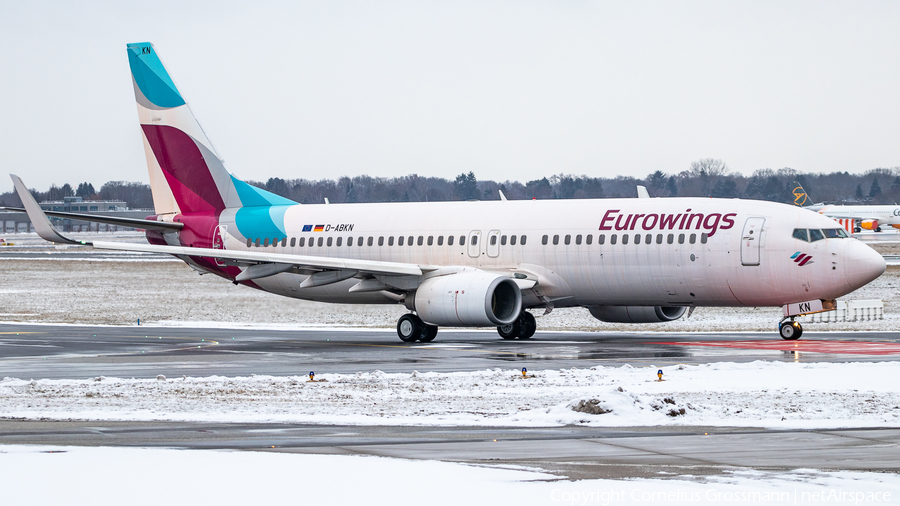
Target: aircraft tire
{"points": [[510, 331], [429, 332], [410, 328], [527, 325], [790, 331]]}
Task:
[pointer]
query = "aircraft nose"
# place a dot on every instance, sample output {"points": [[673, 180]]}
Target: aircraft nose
{"points": [[862, 264]]}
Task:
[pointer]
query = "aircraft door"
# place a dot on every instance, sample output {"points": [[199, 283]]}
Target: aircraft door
{"points": [[493, 243], [750, 240], [219, 241], [475, 243]]}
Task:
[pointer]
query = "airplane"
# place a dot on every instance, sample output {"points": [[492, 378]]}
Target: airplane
{"points": [[853, 218], [476, 263]]}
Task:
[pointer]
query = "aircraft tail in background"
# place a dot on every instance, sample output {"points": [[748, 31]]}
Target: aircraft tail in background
{"points": [[186, 173], [800, 197]]}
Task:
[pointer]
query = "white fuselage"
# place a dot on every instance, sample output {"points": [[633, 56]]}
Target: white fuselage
{"points": [[697, 252], [884, 215]]}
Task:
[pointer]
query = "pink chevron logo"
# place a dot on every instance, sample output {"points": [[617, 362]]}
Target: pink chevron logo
{"points": [[801, 259]]}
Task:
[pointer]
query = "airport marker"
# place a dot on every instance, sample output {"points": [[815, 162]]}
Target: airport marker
{"points": [[659, 375]]}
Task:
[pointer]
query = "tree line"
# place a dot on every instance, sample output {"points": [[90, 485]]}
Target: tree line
{"points": [[707, 177]]}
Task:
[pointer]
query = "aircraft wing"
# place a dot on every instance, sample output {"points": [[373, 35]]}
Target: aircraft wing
{"points": [[48, 232], [109, 220]]}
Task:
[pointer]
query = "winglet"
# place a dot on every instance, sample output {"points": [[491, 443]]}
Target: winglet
{"points": [[642, 192], [502, 196], [41, 223]]}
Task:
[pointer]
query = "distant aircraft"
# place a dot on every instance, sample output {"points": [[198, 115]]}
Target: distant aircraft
{"points": [[477, 264], [853, 218]]}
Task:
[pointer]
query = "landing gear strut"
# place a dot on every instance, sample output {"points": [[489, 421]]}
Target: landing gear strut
{"points": [[411, 328], [523, 327], [790, 330]]}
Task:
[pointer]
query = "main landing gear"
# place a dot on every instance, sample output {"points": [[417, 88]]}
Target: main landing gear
{"points": [[523, 327], [411, 328], [790, 330]]}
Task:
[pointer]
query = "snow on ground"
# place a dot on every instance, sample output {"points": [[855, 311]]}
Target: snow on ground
{"points": [[38, 475], [68, 287], [756, 394]]}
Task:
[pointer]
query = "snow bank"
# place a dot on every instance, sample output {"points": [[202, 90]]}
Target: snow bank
{"points": [[756, 394], [139, 476]]}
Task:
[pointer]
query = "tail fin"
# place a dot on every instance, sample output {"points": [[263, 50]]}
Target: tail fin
{"points": [[186, 173], [800, 197]]}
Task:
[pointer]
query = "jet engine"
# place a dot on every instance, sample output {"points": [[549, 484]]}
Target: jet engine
{"points": [[468, 299], [869, 224], [637, 314]]}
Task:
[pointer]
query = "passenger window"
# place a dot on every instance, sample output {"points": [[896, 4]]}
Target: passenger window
{"points": [[320, 242], [648, 238], [589, 239], [601, 238], [440, 240], [543, 240], [462, 240], [421, 241], [302, 242], [400, 241], [670, 239], [522, 241], [703, 238], [502, 240], [339, 241], [493, 240], [556, 239], [474, 240], [800, 233], [409, 241], [449, 240], [293, 241], [249, 242], [624, 238], [815, 235], [371, 240], [568, 239], [637, 238], [349, 241], [680, 238], [612, 238], [381, 241], [329, 242], [512, 240], [391, 241], [578, 239], [431, 240], [284, 242], [266, 242], [693, 238], [658, 238]]}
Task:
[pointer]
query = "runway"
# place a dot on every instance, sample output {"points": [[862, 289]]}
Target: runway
{"points": [[78, 352], [63, 351]]}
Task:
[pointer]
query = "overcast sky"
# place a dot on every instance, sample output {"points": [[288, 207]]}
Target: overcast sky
{"points": [[510, 90]]}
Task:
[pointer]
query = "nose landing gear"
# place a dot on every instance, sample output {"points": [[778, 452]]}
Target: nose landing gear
{"points": [[790, 330], [523, 327]]}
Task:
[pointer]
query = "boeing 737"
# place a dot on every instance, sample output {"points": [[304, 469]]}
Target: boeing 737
{"points": [[476, 264], [853, 218]]}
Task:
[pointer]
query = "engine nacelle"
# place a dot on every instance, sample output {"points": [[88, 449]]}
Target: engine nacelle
{"points": [[468, 299], [869, 224], [637, 314]]}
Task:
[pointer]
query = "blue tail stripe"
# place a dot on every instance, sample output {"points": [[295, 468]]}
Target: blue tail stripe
{"points": [[151, 77]]}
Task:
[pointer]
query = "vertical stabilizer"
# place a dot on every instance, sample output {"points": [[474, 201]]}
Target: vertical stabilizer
{"points": [[186, 173], [800, 197]]}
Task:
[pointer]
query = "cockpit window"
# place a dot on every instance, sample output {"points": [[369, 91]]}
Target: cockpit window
{"points": [[800, 233], [815, 235], [832, 233]]}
